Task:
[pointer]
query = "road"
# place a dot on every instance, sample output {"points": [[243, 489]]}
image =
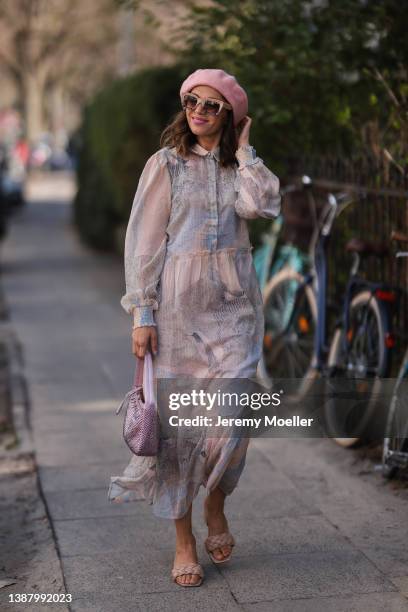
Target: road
{"points": [[316, 527]]}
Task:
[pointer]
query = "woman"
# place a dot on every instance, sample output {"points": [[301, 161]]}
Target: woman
{"points": [[195, 299]]}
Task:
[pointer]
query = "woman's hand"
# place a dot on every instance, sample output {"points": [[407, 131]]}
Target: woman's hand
{"points": [[243, 128], [141, 336]]}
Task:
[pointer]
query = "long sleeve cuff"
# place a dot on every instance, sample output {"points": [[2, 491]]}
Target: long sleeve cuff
{"points": [[143, 316], [246, 156]]}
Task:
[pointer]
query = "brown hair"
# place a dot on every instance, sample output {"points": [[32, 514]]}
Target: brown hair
{"points": [[178, 134]]}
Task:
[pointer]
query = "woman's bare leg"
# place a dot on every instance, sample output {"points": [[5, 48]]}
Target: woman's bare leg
{"points": [[185, 547], [216, 520]]}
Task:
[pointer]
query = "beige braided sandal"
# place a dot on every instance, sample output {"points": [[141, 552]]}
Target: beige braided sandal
{"points": [[190, 568], [218, 541]]}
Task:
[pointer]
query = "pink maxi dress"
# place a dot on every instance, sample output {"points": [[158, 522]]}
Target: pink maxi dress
{"points": [[189, 271]]}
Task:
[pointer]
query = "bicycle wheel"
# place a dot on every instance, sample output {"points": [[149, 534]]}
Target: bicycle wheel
{"points": [[290, 312], [366, 360], [395, 448]]}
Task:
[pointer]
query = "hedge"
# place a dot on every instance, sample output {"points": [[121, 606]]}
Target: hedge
{"points": [[120, 129]]}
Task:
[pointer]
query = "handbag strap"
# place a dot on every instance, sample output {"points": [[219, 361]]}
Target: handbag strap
{"points": [[138, 375], [148, 378], [144, 376]]}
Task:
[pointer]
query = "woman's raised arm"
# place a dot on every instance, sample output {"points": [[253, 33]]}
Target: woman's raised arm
{"points": [[256, 186], [146, 238]]}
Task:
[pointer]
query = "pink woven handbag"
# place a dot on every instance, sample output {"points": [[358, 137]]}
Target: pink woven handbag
{"points": [[141, 424]]}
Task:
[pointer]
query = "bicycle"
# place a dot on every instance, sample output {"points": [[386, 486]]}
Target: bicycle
{"points": [[270, 260], [395, 445], [361, 348], [296, 313], [272, 256], [291, 311]]}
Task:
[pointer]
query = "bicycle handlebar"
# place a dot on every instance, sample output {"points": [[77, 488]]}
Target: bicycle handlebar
{"points": [[337, 204]]}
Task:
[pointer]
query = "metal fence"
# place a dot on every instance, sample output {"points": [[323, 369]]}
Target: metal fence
{"points": [[373, 217]]}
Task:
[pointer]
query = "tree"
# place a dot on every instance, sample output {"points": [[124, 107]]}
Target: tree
{"points": [[51, 45], [328, 76]]}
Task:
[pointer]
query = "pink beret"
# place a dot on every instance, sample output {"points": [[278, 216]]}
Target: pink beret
{"points": [[225, 83]]}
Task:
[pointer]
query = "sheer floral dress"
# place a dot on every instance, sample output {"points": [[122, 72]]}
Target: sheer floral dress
{"points": [[189, 271]]}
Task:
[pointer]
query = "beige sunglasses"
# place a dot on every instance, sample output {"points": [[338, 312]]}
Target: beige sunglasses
{"points": [[209, 106]]}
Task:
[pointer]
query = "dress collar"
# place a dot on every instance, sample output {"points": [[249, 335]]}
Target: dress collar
{"points": [[197, 148]]}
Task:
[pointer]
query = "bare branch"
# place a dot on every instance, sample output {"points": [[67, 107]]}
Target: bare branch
{"points": [[382, 80]]}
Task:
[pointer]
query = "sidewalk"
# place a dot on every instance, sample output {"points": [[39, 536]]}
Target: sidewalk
{"points": [[312, 533]]}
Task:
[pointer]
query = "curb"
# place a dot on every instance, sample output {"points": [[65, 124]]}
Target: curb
{"points": [[18, 397]]}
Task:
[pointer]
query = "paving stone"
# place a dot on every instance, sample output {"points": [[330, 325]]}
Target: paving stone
{"points": [[257, 469], [84, 420], [66, 450], [61, 395], [319, 574], [401, 582], [373, 602], [300, 534], [391, 560], [91, 503], [91, 456], [188, 600], [262, 503], [144, 572], [121, 533], [72, 478]]}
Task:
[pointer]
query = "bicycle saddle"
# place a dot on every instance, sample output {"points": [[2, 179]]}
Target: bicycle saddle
{"points": [[365, 248]]}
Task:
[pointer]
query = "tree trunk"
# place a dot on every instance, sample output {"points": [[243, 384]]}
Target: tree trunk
{"points": [[33, 105], [57, 115]]}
